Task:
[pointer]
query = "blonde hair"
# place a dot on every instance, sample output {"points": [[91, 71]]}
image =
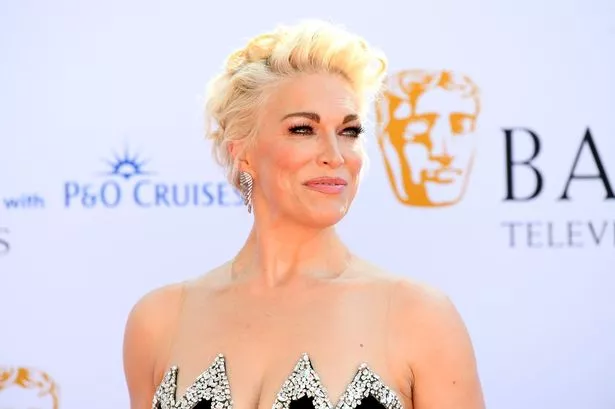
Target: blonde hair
{"points": [[235, 95]]}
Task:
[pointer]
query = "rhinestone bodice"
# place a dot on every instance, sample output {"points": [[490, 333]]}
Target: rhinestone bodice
{"points": [[301, 390]]}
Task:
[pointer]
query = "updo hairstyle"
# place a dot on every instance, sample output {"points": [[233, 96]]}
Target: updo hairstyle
{"points": [[235, 95]]}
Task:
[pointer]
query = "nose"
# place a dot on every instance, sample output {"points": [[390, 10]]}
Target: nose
{"points": [[331, 154]]}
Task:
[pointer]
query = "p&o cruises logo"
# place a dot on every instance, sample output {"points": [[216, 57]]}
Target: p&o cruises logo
{"points": [[128, 180]]}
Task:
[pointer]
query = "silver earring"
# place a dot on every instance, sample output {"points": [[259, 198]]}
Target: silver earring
{"points": [[246, 183]]}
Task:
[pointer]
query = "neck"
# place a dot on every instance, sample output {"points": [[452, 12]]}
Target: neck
{"points": [[276, 253]]}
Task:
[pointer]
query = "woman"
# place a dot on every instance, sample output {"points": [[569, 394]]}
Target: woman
{"points": [[295, 319]]}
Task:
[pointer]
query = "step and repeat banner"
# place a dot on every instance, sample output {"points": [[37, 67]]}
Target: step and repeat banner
{"points": [[491, 177]]}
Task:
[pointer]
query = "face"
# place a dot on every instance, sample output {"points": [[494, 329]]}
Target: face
{"points": [[308, 154], [428, 142]]}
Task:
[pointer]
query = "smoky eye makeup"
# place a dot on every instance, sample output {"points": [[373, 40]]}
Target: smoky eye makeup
{"points": [[308, 129], [301, 129], [354, 131]]}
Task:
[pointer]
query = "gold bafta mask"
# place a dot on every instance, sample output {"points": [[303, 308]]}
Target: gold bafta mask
{"points": [[426, 122], [25, 388]]}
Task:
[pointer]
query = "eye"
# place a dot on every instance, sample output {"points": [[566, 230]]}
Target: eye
{"points": [[301, 130], [353, 131]]}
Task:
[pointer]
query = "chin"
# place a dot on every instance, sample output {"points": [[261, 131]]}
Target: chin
{"points": [[325, 216]]}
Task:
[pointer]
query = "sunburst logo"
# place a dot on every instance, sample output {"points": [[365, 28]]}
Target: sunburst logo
{"points": [[127, 165], [128, 181]]}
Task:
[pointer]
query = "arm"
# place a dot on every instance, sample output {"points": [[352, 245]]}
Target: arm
{"points": [[147, 333], [438, 350]]}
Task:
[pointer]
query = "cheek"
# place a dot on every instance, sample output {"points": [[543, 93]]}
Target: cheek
{"points": [[281, 162], [289, 156], [355, 158]]}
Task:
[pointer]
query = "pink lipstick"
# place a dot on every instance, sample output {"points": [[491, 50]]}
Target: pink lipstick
{"points": [[327, 185]]}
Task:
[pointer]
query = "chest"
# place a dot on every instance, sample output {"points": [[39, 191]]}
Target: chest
{"points": [[263, 342], [303, 388], [239, 321]]}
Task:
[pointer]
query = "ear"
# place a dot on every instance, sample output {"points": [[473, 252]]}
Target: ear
{"points": [[240, 154]]}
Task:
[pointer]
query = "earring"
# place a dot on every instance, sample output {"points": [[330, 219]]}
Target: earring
{"points": [[246, 183]]}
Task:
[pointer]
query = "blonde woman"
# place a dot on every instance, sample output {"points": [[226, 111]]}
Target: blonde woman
{"points": [[296, 320]]}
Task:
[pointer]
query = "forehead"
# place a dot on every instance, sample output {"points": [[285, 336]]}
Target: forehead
{"points": [[328, 95]]}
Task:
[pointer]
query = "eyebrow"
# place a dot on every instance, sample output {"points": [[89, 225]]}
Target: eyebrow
{"points": [[316, 118]]}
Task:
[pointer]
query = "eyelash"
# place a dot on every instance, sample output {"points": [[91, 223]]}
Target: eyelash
{"points": [[304, 129]]}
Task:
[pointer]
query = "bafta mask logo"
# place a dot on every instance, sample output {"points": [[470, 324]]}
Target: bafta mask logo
{"points": [[426, 123], [27, 388]]}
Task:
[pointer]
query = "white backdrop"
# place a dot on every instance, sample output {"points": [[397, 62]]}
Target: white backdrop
{"points": [[86, 86]]}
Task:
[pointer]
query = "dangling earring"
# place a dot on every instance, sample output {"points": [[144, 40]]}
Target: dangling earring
{"points": [[246, 183]]}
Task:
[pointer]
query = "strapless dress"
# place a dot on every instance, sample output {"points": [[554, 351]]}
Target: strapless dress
{"points": [[301, 390]]}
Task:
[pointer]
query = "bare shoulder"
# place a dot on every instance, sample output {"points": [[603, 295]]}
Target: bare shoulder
{"points": [[156, 309], [216, 279], [410, 293], [151, 321], [423, 300], [369, 272], [430, 337], [148, 331], [421, 313]]}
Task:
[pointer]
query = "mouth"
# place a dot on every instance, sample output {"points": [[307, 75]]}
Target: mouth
{"points": [[326, 185]]}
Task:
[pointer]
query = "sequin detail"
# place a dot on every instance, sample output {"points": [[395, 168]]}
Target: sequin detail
{"points": [[211, 385], [303, 381], [364, 384]]}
